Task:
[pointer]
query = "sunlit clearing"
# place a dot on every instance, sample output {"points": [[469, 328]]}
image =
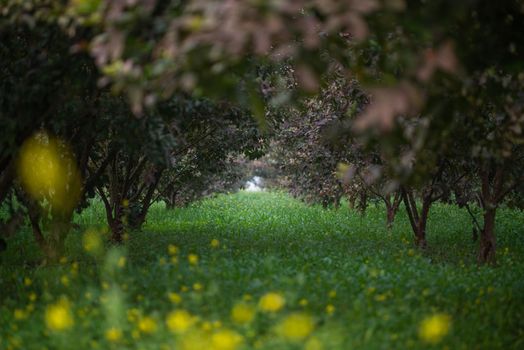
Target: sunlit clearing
{"points": [[255, 184], [48, 172]]}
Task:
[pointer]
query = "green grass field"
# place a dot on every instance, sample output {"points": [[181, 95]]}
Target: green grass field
{"points": [[346, 282]]}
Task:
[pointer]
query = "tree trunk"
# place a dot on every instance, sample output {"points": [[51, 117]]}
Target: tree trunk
{"points": [[362, 203], [117, 231], [420, 234], [117, 225], [487, 245], [53, 246], [390, 216], [6, 180], [391, 208], [351, 201], [170, 203], [418, 222], [113, 217], [147, 201], [492, 180]]}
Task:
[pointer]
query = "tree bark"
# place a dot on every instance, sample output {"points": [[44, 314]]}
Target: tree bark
{"points": [[148, 199], [362, 203], [492, 178], [113, 217], [487, 246], [418, 222], [420, 235], [391, 208], [351, 201]]}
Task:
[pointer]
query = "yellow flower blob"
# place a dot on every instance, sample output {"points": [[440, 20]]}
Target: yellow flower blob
{"points": [[19, 314], [121, 262], [147, 325], [172, 249], [48, 172], [215, 243], [92, 241], [313, 344], [58, 316], [193, 259], [194, 340], [296, 327], [271, 302], [226, 340], [113, 334], [243, 313], [175, 298], [180, 321], [434, 328]]}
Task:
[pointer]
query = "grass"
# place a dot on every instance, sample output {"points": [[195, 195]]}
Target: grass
{"points": [[361, 286]]}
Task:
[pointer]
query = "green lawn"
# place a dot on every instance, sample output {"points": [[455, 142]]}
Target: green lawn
{"points": [[347, 283]]}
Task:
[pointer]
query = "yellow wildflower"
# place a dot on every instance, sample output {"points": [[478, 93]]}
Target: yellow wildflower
{"points": [[113, 334], [180, 321], [121, 261], [58, 316], [64, 280], [296, 327], [197, 286], [434, 328], [242, 313], [147, 325], [47, 170], [193, 259], [175, 298], [380, 297], [133, 315], [27, 281], [226, 340], [313, 344], [215, 243], [92, 241], [303, 302], [330, 309], [19, 314], [271, 302], [172, 249], [194, 340]]}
